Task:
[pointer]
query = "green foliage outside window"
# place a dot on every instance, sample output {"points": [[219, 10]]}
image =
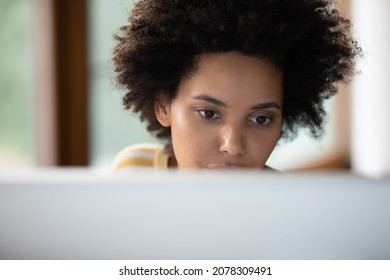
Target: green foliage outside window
{"points": [[15, 82]]}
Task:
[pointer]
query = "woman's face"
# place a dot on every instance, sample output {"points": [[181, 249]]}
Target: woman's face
{"points": [[228, 114]]}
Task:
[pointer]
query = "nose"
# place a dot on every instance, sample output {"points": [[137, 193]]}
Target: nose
{"points": [[232, 141]]}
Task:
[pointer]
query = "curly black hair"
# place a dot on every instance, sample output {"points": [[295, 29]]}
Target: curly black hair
{"points": [[308, 40]]}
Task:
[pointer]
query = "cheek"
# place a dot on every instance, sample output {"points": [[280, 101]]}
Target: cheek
{"points": [[181, 125], [262, 144], [273, 137], [190, 142]]}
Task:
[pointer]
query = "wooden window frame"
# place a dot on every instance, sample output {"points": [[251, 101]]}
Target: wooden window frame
{"points": [[61, 82]]}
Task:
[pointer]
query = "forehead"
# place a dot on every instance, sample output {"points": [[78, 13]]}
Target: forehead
{"points": [[234, 74], [221, 59]]}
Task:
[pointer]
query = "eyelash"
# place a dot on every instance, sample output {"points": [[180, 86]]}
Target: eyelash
{"points": [[202, 113], [268, 120]]}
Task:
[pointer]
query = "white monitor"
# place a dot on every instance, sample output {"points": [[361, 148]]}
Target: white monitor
{"points": [[82, 214]]}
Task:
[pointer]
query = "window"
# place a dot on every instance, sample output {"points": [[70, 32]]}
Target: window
{"points": [[16, 87]]}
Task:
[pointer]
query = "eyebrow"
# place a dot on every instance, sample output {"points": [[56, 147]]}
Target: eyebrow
{"points": [[218, 102], [210, 99]]}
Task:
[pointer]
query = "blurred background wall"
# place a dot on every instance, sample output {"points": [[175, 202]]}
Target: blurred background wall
{"points": [[59, 105], [370, 141]]}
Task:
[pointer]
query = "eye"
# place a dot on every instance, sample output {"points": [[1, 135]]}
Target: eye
{"points": [[208, 114], [260, 120]]}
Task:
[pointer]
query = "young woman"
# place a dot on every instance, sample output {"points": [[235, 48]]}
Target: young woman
{"points": [[222, 81]]}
